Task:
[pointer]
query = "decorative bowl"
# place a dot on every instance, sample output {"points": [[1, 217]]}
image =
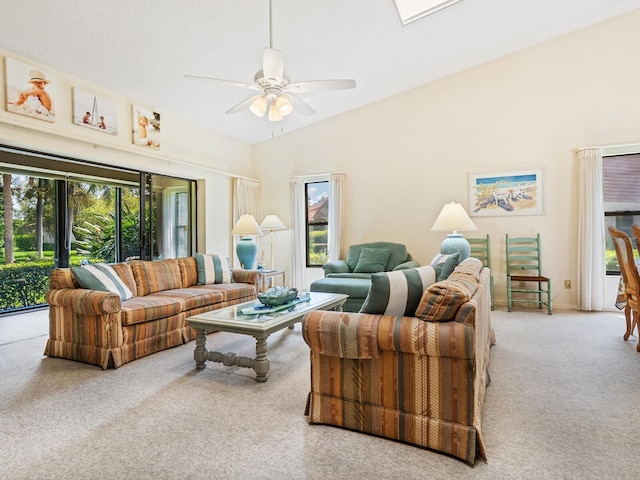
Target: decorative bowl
{"points": [[277, 296]]}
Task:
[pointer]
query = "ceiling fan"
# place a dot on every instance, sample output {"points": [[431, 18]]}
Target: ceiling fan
{"points": [[278, 94]]}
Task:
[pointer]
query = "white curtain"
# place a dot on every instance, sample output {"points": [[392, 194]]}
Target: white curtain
{"points": [[245, 201], [299, 205], [591, 232], [336, 181]]}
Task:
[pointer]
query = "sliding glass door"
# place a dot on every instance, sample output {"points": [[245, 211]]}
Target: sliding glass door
{"points": [[62, 212]]}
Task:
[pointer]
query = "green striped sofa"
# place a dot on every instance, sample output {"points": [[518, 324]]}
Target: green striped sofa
{"points": [[420, 379], [98, 327]]}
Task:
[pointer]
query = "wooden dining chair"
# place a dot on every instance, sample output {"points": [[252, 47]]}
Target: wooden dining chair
{"points": [[631, 279]]}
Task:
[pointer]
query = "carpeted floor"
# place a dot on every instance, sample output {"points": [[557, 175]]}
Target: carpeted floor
{"points": [[564, 402]]}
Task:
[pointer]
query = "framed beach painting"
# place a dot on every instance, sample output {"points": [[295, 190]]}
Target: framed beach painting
{"points": [[506, 193], [146, 127], [95, 112], [28, 91]]}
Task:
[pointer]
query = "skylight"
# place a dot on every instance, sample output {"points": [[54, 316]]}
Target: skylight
{"points": [[412, 10]]}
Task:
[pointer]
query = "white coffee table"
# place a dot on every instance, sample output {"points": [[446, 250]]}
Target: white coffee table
{"points": [[231, 319]]}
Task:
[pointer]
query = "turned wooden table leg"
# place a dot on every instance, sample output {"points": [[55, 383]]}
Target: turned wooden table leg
{"points": [[198, 353], [261, 364]]}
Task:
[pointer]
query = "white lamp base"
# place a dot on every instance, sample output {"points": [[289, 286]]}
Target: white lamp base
{"points": [[456, 243]]}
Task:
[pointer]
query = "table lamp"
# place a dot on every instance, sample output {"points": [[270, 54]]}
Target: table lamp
{"points": [[454, 217], [271, 223], [246, 249]]}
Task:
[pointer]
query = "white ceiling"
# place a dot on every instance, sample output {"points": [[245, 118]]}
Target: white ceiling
{"points": [[141, 49]]}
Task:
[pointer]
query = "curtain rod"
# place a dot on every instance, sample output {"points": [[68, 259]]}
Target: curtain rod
{"points": [[314, 175], [620, 145]]}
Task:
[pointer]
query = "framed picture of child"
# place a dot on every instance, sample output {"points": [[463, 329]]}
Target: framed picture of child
{"points": [[146, 127], [93, 111], [28, 91]]}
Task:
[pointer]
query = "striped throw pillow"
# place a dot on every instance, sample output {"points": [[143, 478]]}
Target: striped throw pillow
{"points": [[101, 277], [399, 292], [213, 269]]}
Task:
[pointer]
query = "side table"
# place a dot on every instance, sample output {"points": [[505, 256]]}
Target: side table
{"points": [[268, 274]]}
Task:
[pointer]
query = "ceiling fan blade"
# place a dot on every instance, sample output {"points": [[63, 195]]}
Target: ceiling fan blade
{"points": [[242, 105], [233, 83], [300, 105], [320, 86], [273, 65]]}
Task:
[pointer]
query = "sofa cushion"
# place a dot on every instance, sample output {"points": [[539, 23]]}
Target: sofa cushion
{"points": [[448, 261], [156, 276], [443, 299], [372, 260], [150, 307], [399, 292], [193, 297], [101, 277], [213, 269]]}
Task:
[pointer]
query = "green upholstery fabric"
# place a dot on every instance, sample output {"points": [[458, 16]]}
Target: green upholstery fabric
{"points": [[397, 256], [356, 288], [372, 260], [449, 263]]}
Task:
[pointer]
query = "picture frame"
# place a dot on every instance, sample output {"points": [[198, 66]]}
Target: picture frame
{"points": [[508, 193], [28, 91], [95, 112], [146, 127]]}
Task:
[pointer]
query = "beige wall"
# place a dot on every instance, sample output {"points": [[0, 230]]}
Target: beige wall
{"points": [[187, 150], [405, 156]]}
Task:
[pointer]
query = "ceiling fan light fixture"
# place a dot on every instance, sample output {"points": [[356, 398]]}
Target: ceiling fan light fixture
{"points": [[259, 106], [283, 104], [274, 115]]}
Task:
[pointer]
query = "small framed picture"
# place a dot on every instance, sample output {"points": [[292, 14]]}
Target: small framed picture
{"points": [[146, 127], [506, 193], [28, 91], [93, 111]]}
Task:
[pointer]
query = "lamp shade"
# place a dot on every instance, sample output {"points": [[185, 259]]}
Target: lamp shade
{"points": [[272, 222], [246, 225], [453, 217], [259, 106], [246, 249]]}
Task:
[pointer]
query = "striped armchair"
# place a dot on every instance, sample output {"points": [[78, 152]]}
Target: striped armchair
{"points": [[419, 379]]}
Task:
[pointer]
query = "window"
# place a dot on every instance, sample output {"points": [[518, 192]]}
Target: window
{"points": [[317, 223], [58, 211], [621, 196]]}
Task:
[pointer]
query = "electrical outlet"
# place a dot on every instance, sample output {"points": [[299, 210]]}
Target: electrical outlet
{"points": [[567, 284]]}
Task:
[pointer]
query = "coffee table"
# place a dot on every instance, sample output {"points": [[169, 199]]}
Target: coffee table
{"points": [[231, 319]]}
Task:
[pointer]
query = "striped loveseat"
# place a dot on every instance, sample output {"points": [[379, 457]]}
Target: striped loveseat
{"points": [[418, 379], [109, 329]]}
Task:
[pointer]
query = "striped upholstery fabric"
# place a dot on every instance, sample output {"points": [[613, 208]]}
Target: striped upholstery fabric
{"points": [[442, 300], [342, 335], [149, 307], [97, 327], [399, 292], [152, 277], [426, 385]]}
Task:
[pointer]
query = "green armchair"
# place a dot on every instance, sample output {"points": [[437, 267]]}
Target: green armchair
{"points": [[352, 275]]}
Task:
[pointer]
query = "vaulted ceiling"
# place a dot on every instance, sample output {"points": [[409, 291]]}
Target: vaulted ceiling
{"points": [[142, 49]]}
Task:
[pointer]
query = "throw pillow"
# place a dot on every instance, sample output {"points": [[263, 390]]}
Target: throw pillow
{"points": [[443, 299], [101, 277], [372, 260], [213, 269], [399, 292], [448, 261]]}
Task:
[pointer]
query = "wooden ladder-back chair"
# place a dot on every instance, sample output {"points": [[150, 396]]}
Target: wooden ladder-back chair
{"points": [[524, 265], [630, 277], [481, 249]]}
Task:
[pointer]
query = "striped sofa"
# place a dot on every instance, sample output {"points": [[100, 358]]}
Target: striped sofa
{"points": [[98, 327], [418, 379]]}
